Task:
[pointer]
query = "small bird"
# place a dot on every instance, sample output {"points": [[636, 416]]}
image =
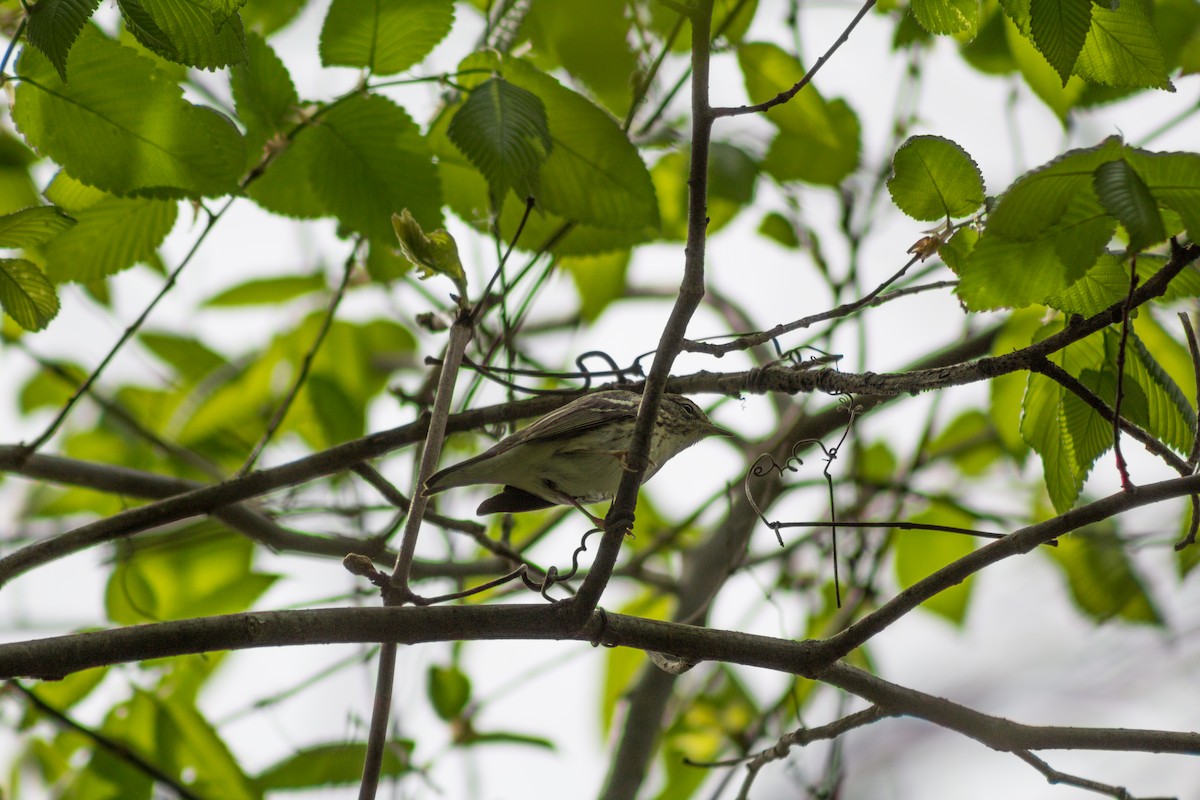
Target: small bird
{"points": [[576, 454]]}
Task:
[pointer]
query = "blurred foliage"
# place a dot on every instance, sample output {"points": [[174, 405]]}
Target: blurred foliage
{"points": [[564, 137]]}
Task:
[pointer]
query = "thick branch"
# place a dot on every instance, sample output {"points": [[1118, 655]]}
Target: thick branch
{"points": [[670, 343], [1021, 541], [250, 522], [56, 657]]}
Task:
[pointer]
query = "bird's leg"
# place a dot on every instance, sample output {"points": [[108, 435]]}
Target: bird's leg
{"points": [[564, 499], [597, 521], [623, 457]]}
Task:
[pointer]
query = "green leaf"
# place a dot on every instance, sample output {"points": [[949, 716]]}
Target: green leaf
{"points": [[1044, 234], [190, 359], [383, 38], [17, 190], [449, 691], [189, 745], [222, 10], [286, 186], [65, 693], [141, 25], [1173, 180], [970, 441], [339, 417], [31, 226], [955, 252], [918, 554], [1050, 228], [191, 36], [818, 141], [876, 464], [1102, 578], [54, 25], [202, 569], [590, 41], [1065, 432], [1168, 414], [934, 178], [1039, 199], [779, 229], [909, 33], [46, 390], [110, 236], [1003, 272], [988, 52], [621, 664], [1008, 391], [473, 738], [503, 131], [768, 70], [1125, 195], [333, 765], [943, 17], [71, 195], [1123, 49], [1040, 75], [595, 194], [267, 16], [108, 776], [594, 173], [26, 294], [238, 403], [1104, 284], [370, 162], [98, 128], [435, 253], [706, 723], [816, 160], [599, 280], [1059, 28], [1173, 358], [732, 175], [272, 291], [189, 30]]}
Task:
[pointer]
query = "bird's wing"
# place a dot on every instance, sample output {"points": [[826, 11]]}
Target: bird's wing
{"points": [[601, 409], [562, 422]]}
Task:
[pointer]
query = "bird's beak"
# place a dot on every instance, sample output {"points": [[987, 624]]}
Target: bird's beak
{"points": [[717, 430]]}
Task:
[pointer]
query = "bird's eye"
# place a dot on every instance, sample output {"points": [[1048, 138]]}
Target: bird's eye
{"points": [[690, 409]]}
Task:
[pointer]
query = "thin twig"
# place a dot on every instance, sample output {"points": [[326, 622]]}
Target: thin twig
{"points": [[133, 328], [804, 737], [206, 499], [1054, 372], [1122, 467], [1189, 332], [1055, 777], [691, 292], [119, 749], [871, 298], [306, 363], [397, 590], [381, 708], [643, 87], [788, 94], [125, 418]]}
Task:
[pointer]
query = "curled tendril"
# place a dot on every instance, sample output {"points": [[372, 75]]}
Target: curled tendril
{"points": [[553, 577], [506, 376], [761, 468], [798, 360], [764, 465]]}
